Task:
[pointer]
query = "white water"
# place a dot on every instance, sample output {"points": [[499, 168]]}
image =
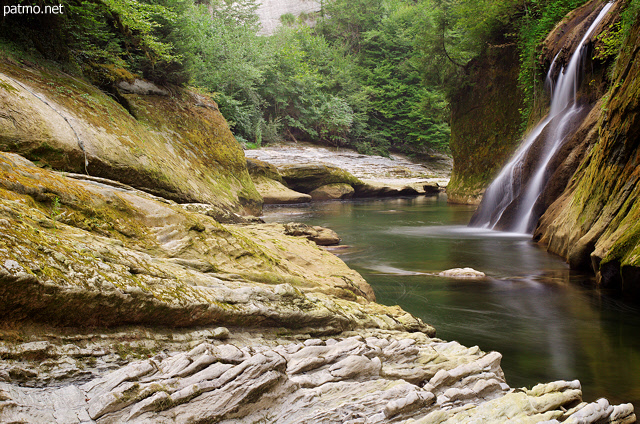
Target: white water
{"points": [[508, 188]]}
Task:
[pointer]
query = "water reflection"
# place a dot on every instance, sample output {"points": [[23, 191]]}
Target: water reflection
{"points": [[547, 321]]}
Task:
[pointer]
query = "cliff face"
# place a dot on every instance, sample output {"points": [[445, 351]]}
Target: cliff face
{"points": [[270, 11], [595, 222], [172, 143], [484, 123]]}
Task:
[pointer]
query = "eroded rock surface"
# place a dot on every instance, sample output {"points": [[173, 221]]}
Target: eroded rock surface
{"points": [[76, 252], [373, 377]]}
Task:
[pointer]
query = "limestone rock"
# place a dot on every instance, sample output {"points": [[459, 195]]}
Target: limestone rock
{"points": [[358, 378], [335, 191], [114, 256], [462, 273]]}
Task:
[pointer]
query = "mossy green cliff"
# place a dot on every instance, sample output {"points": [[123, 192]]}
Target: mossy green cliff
{"points": [[594, 224], [484, 122], [170, 142]]}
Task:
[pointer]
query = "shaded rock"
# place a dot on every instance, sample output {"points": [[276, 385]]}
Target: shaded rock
{"points": [[335, 191], [274, 192], [462, 273], [485, 121], [306, 178], [258, 168], [431, 189]]}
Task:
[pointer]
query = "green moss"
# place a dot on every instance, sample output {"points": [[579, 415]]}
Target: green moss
{"points": [[7, 87]]}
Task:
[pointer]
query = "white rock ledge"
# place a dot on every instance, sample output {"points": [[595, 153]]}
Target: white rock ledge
{"points": [[377, 377]]}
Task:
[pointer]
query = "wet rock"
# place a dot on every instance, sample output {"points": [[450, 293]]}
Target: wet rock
{"points": [[320, 235], [335, 191], [462, 273]]}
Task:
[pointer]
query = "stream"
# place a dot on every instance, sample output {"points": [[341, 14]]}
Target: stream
{"points": [[547, 321]]}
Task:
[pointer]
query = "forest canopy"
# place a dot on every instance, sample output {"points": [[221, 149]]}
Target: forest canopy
{"points": [[375, 75]]}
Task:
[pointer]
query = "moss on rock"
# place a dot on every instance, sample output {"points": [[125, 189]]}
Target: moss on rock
{"points": [[177, 146]]}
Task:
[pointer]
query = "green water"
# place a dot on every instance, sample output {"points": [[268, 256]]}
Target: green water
{"points": [[549, 323]]}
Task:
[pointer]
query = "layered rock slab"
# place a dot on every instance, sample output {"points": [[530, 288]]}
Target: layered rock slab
{"points": [[375, 377], [83, 253]]}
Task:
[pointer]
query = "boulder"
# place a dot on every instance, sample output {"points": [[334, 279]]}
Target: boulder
{"points": [[258, 168], [373, 188], [320, 235], [335, 191], [306, 178], [274, 192]]}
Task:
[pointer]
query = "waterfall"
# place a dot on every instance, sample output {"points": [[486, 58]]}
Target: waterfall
{"points": [[508, 192]]}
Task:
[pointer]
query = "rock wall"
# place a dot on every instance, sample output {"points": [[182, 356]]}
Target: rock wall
{"points": [[169, 142], [484, 122], [270, 11], [594, 223]]}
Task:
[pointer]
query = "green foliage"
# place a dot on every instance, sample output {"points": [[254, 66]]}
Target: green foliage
{"points": [[97, 36], [540, 16], [288, 19], [611, 39]]}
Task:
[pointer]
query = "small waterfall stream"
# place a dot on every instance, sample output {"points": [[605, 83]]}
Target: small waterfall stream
{"points": [[509, 190]]}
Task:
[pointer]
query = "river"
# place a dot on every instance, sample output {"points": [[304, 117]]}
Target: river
{"points": [[548, 322]]}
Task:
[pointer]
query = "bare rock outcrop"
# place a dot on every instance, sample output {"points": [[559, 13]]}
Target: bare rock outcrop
{"points": [[372, 377]]}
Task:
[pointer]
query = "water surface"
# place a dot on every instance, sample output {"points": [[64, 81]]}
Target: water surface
{"points": [[548, 322]]}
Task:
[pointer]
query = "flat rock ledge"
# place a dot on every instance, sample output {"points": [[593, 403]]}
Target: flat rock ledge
{"points": [[372, 377]]}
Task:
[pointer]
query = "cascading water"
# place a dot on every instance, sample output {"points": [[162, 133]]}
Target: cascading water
{"points": [[508, 191]]}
